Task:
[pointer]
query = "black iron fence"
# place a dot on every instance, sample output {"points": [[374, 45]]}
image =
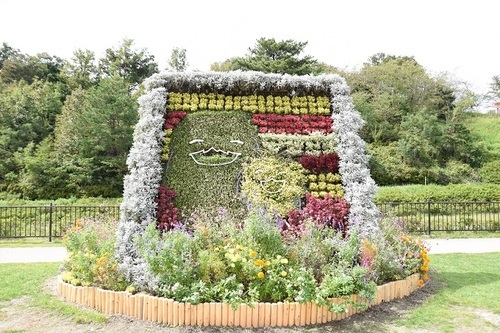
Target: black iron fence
{"points": [[430, 216], [47, 221], [52, 220]]}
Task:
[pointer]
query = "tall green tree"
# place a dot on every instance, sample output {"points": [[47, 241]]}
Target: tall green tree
{"points": [[81, 70], [128, 63], [271, 56], [17, 66], [178, 60], [27, 115], [94, 135]]}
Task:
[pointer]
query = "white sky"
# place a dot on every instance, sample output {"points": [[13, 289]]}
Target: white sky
{"points": [[458, 37]]}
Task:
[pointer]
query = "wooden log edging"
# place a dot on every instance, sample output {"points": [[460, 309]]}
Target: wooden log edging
{"points": [[170, 312]]}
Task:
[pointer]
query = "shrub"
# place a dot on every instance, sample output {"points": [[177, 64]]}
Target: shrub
{"points": [[455, 192], [490, 172]]}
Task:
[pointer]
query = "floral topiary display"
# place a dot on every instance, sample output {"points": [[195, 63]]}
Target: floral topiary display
{"points": [[220, 140], [246, 188]]}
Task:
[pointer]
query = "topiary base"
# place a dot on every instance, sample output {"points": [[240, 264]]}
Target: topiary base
{"points": [[170, 312]]}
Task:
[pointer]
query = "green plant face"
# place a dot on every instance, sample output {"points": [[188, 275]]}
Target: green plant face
{"points": [[208, 150], [274, 183]]}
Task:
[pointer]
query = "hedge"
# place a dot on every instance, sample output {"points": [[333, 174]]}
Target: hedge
{"points": [[455, 192]]}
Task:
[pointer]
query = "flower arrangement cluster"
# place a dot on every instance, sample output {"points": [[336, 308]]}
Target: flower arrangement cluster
{"points": [[272, 123], [91, 255], [218, 257], [296, 146], [233, 263], [281, 105]]}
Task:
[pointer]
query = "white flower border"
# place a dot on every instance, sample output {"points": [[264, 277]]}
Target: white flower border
{"points": [[144, 161]]}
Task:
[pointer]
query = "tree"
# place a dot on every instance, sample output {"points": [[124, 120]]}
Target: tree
{"points": [[270, 56], [94, 135], [132, 65], [17, 66], [27, 115], [81, 70], [495, 88], [178, 60], [7, 52]]}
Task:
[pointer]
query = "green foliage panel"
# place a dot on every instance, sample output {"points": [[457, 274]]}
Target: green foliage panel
{"points": [[208, 152]]}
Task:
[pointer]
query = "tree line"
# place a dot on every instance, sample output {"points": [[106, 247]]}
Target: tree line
{"points": [[66, 125]]}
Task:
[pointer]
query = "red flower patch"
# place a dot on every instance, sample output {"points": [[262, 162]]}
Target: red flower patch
{"points": [[323, 163]]}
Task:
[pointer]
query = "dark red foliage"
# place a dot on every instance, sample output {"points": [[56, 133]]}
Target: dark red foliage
{"points": [[172, 118], [323, 163], [166, 213], [329, 212], [290, 124]]}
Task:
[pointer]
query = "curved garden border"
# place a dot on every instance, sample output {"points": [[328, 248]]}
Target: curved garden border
{"points": [[170, 312]]}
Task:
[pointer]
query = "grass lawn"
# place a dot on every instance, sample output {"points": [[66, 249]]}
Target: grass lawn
{"points": [[471, 291], [27, 280]]}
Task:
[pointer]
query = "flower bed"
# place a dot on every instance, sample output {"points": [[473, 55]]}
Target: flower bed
{"points": [[170, 312]]}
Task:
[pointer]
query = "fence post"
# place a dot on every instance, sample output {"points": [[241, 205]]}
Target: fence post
{"points": [[50, 222], [429, 216]]}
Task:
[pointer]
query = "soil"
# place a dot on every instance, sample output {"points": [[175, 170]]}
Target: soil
{"points": [[19, 315]]}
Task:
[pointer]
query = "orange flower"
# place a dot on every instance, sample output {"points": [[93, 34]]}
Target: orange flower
{"points": [[252, 254], [259, 262], [420, 283], [260, 275]]}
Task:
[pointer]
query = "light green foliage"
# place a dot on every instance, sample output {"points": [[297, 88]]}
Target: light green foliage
{"points": [[298, 145], [490, 172], [204, 186], [273, 183], [485, 129]]}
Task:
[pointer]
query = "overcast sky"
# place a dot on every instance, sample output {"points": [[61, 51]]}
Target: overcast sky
{"points": [[458, 37]]}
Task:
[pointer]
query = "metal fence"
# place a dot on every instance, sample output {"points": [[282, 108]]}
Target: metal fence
{"points": [[429, 216], [47, 221], [53, 220]]}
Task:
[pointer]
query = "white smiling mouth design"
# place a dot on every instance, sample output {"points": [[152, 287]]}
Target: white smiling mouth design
{"points": [[214, 157], [272, 181]]}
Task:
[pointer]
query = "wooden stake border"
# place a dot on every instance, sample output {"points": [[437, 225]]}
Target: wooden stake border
{"points": [[173, 313]]}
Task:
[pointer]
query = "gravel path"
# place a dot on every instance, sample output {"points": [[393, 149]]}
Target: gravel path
{"points": [[437, 246]]}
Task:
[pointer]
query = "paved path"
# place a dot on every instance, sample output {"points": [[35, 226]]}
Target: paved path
{"points": [[32, 254], [57, 254], [467, 245]]}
